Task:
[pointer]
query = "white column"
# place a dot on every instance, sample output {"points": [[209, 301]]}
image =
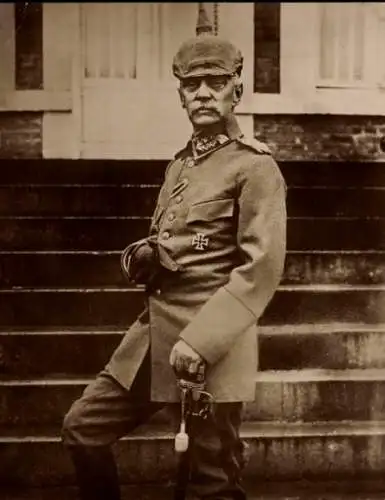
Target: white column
{"points": [[61, 66], [236, 23], [299, 49]]}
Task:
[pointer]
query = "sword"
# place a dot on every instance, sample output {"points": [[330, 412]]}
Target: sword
{"points": [[196, 402]]}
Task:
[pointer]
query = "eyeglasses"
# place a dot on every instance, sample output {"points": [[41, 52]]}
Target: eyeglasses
{"points": [[214, 82]]}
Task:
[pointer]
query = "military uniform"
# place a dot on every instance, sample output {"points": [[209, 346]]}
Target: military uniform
{"points": [[219, 228], [220, 224]]}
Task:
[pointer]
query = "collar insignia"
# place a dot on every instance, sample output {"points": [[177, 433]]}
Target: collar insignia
{"points": [[207, 144]]}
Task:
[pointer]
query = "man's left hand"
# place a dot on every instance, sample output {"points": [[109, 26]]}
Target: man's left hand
{"points": [[184, 359]]}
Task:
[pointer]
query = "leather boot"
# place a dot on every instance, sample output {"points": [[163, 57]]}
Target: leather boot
{"points": [[96, 472]]}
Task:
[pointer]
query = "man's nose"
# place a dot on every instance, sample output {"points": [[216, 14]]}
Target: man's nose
{"points": [[203, 90]]}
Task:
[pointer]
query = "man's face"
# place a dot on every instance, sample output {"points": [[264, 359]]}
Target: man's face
{"points": [[208, 99]]}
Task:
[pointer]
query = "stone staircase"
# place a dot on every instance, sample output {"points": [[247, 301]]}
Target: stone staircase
{"points": [[319, 413]]}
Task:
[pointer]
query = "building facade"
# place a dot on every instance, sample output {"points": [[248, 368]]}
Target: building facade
{"points": [[94, 80]]}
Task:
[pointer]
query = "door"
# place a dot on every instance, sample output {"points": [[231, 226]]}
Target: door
{"points": [[130, 105]]}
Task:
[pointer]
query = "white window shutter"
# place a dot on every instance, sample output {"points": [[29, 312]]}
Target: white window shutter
{"points": [[351, 37]]}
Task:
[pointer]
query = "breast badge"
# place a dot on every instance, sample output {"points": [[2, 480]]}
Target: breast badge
{"points": [[200, 241]]}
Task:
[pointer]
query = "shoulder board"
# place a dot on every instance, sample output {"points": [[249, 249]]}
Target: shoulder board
{"points": [[182, 151], [256, 145], [179, 153]]}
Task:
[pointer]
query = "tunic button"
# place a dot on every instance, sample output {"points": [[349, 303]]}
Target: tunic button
{"points": [[158, 291], [166, 235], [171, 217], [190, 162], [179, 198]]}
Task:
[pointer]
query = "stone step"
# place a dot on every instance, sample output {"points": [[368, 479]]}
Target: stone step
{"points": [[128, 200], [266, 490], [278, 452], [89, 269], [318, 395], [117, 172], [157, 491], [329, 346], [344, 174], [284, 396], [78, 200], [69, 307], [284, 347], [334, 267], [69, 233], [22, 354], [89, 233], [105, 307], [59, 172], [327, 201], [39, 405]]}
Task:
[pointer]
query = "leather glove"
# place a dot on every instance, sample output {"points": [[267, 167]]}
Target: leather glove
{"points": [[140, 262], [143, 265], [187, 363]]}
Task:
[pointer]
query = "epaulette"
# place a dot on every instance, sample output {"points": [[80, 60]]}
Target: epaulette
{"points": [[180, 153], [177, 155], [256, 145]]}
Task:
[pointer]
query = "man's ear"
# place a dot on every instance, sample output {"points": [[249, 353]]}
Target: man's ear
{"points": [[181, 97], [238, 92]]}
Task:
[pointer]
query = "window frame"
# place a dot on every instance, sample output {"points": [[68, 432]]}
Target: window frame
{"points": [[50, 98], [302, 95], [7, 47]]}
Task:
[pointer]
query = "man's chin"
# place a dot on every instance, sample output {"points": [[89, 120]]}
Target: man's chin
{"points": [[204, 120]]}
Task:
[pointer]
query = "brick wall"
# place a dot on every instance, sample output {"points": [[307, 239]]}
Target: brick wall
{"points": [[323, 137], [20, 135], [291, 137]]}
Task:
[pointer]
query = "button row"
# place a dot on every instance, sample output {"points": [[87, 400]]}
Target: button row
{"points": [[171, 216]]}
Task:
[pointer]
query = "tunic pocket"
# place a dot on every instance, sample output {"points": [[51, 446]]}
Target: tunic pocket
{"points": [[211, 210]]}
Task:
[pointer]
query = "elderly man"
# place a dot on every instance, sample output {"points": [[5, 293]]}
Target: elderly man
{"points": [[211, 264]]}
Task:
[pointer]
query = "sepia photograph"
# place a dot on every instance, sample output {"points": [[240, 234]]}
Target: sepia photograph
{"points": [[192, 251]]}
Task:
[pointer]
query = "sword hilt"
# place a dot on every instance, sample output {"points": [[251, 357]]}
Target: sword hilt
{"points": [[182, 439], [192, 393]]}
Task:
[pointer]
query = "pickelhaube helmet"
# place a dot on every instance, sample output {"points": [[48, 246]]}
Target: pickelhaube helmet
{"points": [[206, 54]]}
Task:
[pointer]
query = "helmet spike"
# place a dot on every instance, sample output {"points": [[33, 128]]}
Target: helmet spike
{"points": [[204, 26]]}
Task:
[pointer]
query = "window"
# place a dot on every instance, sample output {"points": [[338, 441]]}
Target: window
{"points": [[331, 60], [126, 64], [267, 33], [133, 41], [351, 41]]}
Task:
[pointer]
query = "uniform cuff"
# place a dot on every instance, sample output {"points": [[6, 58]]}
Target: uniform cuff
{"points": [[217, 325]]}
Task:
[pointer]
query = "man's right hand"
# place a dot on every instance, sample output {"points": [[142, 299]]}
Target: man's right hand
{"points": [[187, 363], [144, 265]]}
